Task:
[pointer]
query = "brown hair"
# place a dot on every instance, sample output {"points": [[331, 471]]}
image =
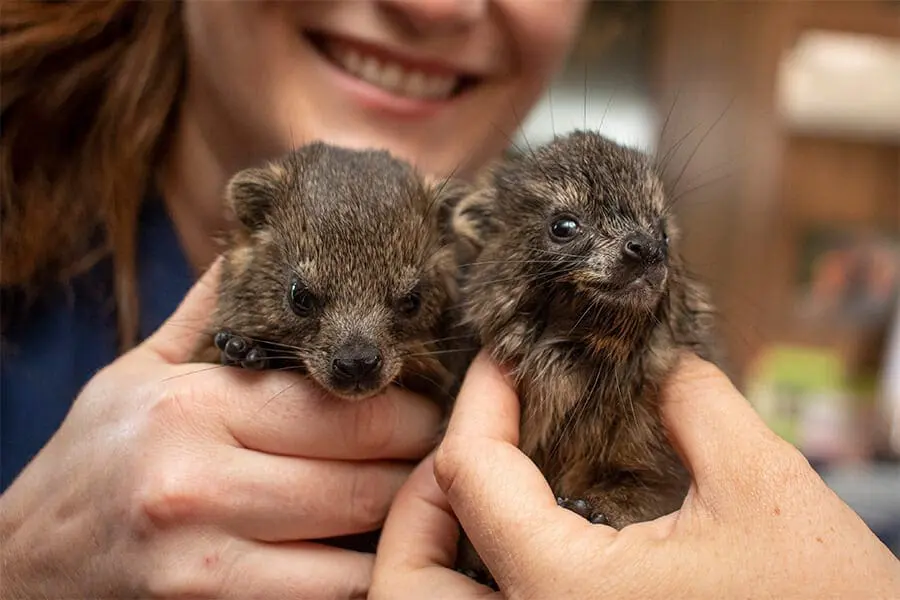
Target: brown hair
{"points": [[89, 91]]}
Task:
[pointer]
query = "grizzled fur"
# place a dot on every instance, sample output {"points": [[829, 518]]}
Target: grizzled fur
{"points": [[358, 231], [589, 345]]}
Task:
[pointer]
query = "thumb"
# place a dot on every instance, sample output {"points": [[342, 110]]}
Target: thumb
{"points": [[713, 427], [175, 339], [499, 496]]}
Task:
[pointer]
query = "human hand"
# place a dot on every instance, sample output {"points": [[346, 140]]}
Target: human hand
{"points": [[180, 480], [757, 521]]}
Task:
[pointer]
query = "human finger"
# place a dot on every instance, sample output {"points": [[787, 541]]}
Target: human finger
{"points": [[242, 570], [420, 530], [713, 427], [285, 413], [499, 496], [275, 498], [417, 548], [176, 338], [433, 583]]}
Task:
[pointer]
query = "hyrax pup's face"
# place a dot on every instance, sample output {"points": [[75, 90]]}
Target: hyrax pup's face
{"points": [[350, 273], [586, 213]]}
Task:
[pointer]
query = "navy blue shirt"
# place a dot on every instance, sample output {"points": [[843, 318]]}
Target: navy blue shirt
{"points": [[70, 335]]}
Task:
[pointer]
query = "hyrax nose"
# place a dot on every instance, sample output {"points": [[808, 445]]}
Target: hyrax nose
{"points": [[355, 361], [641, 248]]}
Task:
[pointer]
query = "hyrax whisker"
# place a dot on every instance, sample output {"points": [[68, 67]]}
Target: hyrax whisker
{"points": [[552, 253], [584, 102], [449, 338], [439, 386], [663, 166], [509, 262], [512, 143], [439, 352], [195, 372], [665, 125], [671, 204], [273, 397], [524, 277], [700, 142]]}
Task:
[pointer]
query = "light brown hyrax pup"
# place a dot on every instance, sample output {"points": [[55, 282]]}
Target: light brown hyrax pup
{"points": [[580, 289]]}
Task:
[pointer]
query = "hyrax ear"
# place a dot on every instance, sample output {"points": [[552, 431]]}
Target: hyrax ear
{"points": [[466, 212], [445, 195], [474, 219], [251, 192]]}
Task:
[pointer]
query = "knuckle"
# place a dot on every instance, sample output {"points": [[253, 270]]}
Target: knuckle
{"points": [[449, 459], [169, 495], [168, 407], [369, 500]]}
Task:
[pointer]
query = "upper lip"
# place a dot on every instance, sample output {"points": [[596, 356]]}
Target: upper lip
{"points": [[428, 65]]}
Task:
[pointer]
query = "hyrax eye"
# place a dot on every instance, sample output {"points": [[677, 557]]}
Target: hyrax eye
{"points": [[303, 303], [409, 304], [564, 228]]}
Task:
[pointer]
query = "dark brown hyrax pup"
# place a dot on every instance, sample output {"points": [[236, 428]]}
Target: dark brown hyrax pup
{"points": [[579, 288], [342, 265]]}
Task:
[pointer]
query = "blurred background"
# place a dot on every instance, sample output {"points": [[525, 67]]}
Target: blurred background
{"points": [[778, 127]]}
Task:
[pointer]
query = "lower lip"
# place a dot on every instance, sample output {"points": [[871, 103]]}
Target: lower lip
{"points": [[374, 98]]}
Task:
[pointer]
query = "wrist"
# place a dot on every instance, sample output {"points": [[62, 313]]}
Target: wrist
{"points": [[36, 549], [11, 558]]}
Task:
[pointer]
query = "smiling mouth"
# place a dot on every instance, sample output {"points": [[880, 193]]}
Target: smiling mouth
{"points": [[393, 75]]}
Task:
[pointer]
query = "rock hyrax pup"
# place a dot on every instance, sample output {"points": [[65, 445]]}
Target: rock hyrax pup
{"points": [[342, 264], [580, 289]]}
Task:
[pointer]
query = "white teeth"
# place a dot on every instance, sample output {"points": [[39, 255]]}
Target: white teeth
{"points": [[352, 61], [371, 70], [440, 86], [415, 85], [393, 77]]}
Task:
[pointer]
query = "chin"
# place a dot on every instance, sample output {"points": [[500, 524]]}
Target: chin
{"points": [[637, 296], [356, 393], [642, 300]]}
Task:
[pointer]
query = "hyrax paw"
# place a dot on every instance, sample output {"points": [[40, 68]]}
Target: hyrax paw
{"points": [[583, 509], [238, 351]]}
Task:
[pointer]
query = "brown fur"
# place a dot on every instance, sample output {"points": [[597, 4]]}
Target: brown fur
{"points": [[588, 356], [90, 90], [359, 230]]}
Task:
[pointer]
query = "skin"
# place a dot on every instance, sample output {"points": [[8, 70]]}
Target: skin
{"points": [[796, 538], [209, 469], [257, 88], [163, 484]]}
